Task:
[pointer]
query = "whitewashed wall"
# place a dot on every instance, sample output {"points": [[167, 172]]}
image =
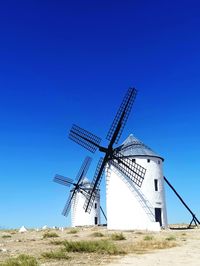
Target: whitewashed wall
{"points": [[130, 207], [78, 215]]}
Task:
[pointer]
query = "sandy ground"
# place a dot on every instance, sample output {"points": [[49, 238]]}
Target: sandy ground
{"points": [[186, 252]]}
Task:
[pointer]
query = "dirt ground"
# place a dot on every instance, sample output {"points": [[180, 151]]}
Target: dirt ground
{"points": [[186, 250], [187, 253]]}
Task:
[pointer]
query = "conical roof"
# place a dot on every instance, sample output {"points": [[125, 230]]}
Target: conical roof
{"points": [[85, 182], [134, 147]]}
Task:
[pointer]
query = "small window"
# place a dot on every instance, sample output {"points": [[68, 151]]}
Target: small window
{"points": [[133, 160], [95, 205], [156, 184], [95, 220], [148, 160], [158, 161]]}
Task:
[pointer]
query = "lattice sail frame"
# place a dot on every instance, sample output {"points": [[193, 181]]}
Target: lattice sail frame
{"points": [[128, 167], [68, 182], [67, 207], [84, 169], [91, 197], [63, 180], [83, 137], [91, 142], [125, 108]]}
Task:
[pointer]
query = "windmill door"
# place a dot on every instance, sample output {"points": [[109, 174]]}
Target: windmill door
{"points": [[158, 215]]}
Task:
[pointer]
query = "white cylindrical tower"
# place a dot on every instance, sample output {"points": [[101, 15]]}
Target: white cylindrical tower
{"points": [[131, 207], [78, 215]]}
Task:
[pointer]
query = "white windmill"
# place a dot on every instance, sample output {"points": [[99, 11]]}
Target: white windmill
{"points": [[134, 177], [140, 204], [77, 197], [132, 201]]}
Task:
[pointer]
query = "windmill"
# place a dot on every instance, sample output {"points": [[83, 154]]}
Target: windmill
{"points": [[147, 194], [80, 189], [91, 142], [140, 208]]}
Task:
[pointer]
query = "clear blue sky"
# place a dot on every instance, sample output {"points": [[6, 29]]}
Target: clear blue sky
{"points": [[64, 62]]}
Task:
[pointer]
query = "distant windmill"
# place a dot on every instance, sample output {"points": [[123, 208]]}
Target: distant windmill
{"points": [[126, 166], [77, 197]]}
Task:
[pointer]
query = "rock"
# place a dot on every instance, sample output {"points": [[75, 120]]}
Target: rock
{"points": [[22, 229], [3, 250], [44, 227]]}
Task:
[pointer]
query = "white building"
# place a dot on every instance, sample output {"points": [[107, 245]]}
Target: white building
{"points": [[78, 215], [131, 207]]}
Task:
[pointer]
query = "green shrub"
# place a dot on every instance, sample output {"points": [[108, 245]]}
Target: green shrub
{"points": [[101, 246], [21, 260], [56, 242], [73, 231], [58, 255], [6, 236], [97, 234], [148, 238], [171, 238], [119, 236], [50, 234]]}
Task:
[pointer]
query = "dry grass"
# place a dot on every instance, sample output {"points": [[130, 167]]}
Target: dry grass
{"points": [[73, 231], [55, 255], [21, 260], [171, 238], [148, 237], [50, 235], [97, 234], [88, 249], [89, 246], [56, 242], [6, 236], [144, 246], [92, 246], [118, 236], [10, 231]]}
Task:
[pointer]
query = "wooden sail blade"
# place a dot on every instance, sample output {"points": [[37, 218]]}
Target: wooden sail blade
{"points": [[84, 138]]}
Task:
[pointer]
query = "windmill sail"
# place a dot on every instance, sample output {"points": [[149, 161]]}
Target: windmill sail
{"points": [[83, 137], [91, 142], [63, 180], [129, 168], [95, 185], [67, 207], [77, 185], [122, 115], [84, 168]]}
